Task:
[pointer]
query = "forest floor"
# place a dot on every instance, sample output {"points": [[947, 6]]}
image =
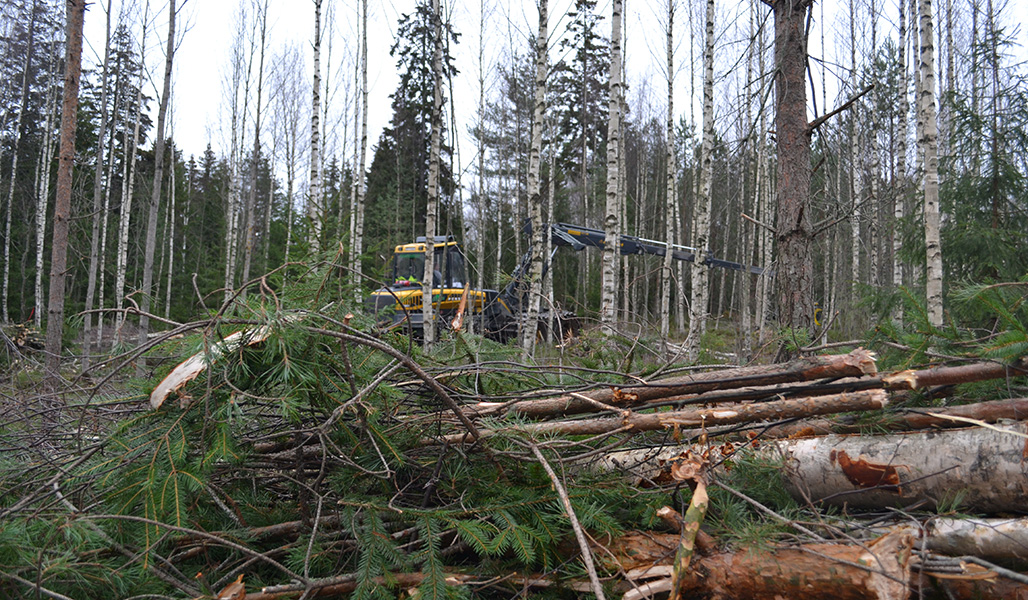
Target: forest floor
{"points": [[300, 454]]}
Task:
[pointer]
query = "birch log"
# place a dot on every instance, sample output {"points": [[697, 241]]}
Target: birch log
{"points": [[984, 468]]}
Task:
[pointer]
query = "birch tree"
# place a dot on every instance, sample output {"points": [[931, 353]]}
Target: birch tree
{"points": [[357, 214], [901, 164], [611, 225], [155, 197], [929, 147], [75, 10], [42, 183], [671, 193], [432, 208], [128, 180], [701, 208], [22, 107], [314, 208], [535, 200]]}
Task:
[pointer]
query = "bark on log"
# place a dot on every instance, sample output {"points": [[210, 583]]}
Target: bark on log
{"points": [[1014, 409], [879, 569], [986, 469], [742, 413], [930, 586], [991, 539], [857, 363]]}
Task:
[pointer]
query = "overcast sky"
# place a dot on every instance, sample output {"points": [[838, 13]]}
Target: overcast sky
{"points": [[203, 55]]}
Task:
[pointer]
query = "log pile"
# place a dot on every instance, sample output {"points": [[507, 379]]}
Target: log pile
{"points": [[973, 457]]}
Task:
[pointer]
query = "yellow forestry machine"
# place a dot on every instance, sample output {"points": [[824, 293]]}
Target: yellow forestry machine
{"points": [[495, 313]]}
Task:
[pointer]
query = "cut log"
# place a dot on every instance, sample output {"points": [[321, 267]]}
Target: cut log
{"points": [[966, 587], [979, 469], [879, 569], [856, 363], [991, 539], [1014, 409], [740, 413]]}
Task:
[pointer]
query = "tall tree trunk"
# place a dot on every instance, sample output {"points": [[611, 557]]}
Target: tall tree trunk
{"points": [[357, 240], [670, 181], [42, 184], [76, 10], [170, 228], [793, 232], [929, 144], [249, 231], [528, 332], [22, 107], [128, 187], [611, 225], [314, 209], [701, 208], [432, 209], [855, 178], [900, 187], [155, 198], [235, 149], [481, 203], [95, 258]]}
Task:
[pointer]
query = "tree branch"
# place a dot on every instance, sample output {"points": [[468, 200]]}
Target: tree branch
{"points": [[821, 120]]}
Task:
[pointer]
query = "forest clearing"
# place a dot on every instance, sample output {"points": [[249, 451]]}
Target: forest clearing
{"points": [[783, 354]]}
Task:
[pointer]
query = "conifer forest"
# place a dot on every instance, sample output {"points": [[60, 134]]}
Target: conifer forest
{"points": [[506, 299]]}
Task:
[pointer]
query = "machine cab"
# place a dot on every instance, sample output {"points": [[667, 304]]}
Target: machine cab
{"points": [[409, 264]]}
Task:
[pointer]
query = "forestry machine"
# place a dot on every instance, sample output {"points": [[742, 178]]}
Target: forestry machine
{"points": [[495, 313]]}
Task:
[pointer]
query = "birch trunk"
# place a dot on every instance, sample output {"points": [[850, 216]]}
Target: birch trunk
{"points": [[76, 10], [42, 184], [855, 173], [232, 206], [105, 223], [155, 198], [170, 230], [95, 257], [128, 188], [357, 215], [900, 193], [431, 211], [22, 107], [701, 209], [528, 332], [611, 225], [314, 208], [974, 469], [929, 143]]}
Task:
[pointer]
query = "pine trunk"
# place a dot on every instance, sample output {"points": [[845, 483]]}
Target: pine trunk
{"points": [[76, 10], [795, 274]]}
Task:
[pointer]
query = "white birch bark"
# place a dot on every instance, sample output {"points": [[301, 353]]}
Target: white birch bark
{"points": [[670, 181], [235, 145], [535, 273], [170, 233], [42, 183], [431, 211], [608, 292], [929, 143], [900, 193], [128, 188], [855, 178], [314, 207], [22, 102], [701, 209], [357, 215]]}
